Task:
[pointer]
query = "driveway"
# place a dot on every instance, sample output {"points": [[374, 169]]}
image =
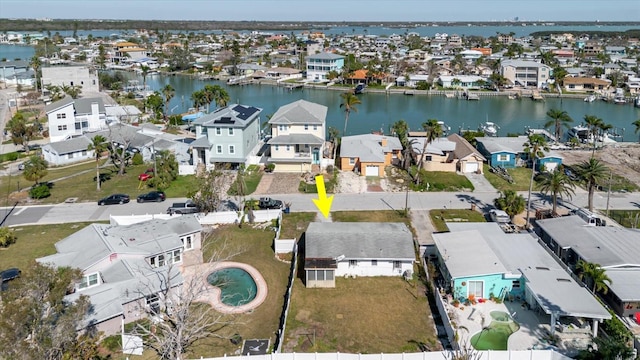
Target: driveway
{"points": [[480, 183]]}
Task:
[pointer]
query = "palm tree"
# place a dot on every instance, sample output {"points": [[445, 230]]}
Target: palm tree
{"points": [[535, 148], [98, 144], [596, 274], [169, 92], [558, 184], [199, 99], [637, 125], [510, 202], [220, 96], [36, 65], [432, 130], [591, 172], [334, 134], [559, 119], [593, 123], [349, 102], [35, 169], [144, 70], [401, 129]]}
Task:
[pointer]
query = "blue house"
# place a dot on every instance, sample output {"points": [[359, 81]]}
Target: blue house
{"points": [[319, 65], [508, 152]]}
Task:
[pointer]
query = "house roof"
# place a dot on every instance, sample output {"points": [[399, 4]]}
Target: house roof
{"points": [[625, 283], [359, 240], [123, 133], [325, 56], [300, 112], [83, 105], [232, 116], [294, 139], [455, 249], [464, 149], [513, 145], [72, 145], [368, 147], [201, 142], [585, 80], [523, 63], [56, 105], [439, 146]]}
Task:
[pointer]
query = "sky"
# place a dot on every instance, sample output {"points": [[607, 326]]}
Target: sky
{"points": [[326, 10]]}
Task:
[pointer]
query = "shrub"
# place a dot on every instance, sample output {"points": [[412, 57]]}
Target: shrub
{"points": [[112, 343], [40, 191], [12, 156], [7, 236], [137, 159]]}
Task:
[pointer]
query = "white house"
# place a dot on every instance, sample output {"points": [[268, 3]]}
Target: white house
{"points": [[298, 133], [461, 81], [72, 117], [126, 267], [81, 76], [356, 249], [525, 72], [68, 151], [319, 65]]}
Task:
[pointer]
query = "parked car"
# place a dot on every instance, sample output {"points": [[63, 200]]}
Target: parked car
{"points": [[114, 199], [154, 196], [499, 216], [8, 275], [269, 203], [188, 207]]}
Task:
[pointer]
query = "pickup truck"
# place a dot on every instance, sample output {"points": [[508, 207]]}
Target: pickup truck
{"points": [[187, 207], [269, 203]]}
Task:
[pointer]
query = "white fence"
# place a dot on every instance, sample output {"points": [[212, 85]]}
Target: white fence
{"points": [[186, 169], [221, 217], [284, 246], [438, 355]]}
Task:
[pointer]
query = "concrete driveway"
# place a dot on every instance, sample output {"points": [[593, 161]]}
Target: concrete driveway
{"points": [[480, 183]]}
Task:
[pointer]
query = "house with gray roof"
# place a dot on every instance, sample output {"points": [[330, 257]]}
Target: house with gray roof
{"points": [[319, 65], [356, 249], [227, 135], [68, 151], [480, 260], [615, 249], [70, 117], [297, 137], [369, 154], [125, 267], [508, 152]]}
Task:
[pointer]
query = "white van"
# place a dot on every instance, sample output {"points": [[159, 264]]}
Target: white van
{"points": [[499, 216]]}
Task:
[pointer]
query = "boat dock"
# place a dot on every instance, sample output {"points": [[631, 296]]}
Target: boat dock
{"points": [[291, 86], [542, 132], [536, 96]]}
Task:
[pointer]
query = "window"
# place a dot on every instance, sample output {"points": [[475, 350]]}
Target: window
{"points": [[88, 281], [153, 303], [62, 127], [218, 131], [315, 127], [374, 262], [320, 275], [177, 256], [70, 156], [232, 149], [230, 131], [503, 157], [187, 242], [84, 152], [329, 275], [218, 149], [515, 284], [311, 274], [61, 116], [352, 161], [277, 147], [428, 158], [476, 288], [78, 126], [160, 260], [288, 147], [353, 262], [396, 265], [306, 127]]}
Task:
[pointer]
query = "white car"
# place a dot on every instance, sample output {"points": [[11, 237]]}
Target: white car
{"points": [[499, 216]]}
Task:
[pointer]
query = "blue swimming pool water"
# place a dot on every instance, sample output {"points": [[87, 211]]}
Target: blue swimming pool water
{"points": [[237, 286]]}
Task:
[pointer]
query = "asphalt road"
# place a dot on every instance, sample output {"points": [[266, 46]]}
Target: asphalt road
{"points": [[90, 211]]}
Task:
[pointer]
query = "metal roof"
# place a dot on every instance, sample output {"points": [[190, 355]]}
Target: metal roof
{"points": [[625, 283]]}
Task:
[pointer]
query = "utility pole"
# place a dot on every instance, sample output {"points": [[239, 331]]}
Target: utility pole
{"points": [[609, 191]]}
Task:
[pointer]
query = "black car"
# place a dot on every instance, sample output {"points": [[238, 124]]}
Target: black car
{"points": [[114, 199], [154, 196], [8, 275]]}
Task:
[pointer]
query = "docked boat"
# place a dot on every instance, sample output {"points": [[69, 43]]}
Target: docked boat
{"points": [[581, 132], [619, 100], [590, 98], [444, 127], [359, 88], [636, 103], [489, 128]]}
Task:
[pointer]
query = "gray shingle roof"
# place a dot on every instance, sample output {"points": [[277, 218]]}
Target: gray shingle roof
{"points": [[514, 145], [437, 146], [72, 145], [294, 139], [325, 56], [368, 147], [361, 240], [58, 104], [300, 112], [83, 105], [231, 116]]}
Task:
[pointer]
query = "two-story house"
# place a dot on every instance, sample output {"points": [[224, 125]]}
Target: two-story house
{"points": [[525, 73], [124, 51], [72, 117], [82, 76], [297, 136], [319, 65], [227, 135], [126, 268]]}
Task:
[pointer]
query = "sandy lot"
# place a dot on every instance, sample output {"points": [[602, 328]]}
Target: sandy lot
{"points": [[622, 158]]}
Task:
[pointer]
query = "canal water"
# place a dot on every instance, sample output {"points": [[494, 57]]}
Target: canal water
{"points": [[379, 110]]}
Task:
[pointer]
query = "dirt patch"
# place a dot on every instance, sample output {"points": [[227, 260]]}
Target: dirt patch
{"points": [[622, 158], [278, 183], [350, 183]]}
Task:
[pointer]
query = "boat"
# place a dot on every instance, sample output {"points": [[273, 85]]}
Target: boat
{"points": [[444, 127], [489, 128], [619, 100], [359, 88], [637, 102], [590, 98], [581, 132]]}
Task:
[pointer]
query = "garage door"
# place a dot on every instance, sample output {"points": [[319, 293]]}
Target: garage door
{"points": [[371, 170], [471, 167]]}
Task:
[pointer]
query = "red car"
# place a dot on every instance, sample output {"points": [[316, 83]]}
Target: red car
{"points": [[145, 176]]}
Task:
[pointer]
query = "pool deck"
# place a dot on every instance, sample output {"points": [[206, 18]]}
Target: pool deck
{"points": [[195, 276], [534, 327]]}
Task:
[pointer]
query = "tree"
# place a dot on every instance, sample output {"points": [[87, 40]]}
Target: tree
{"points": [[558, 184], [559, 119], [169, 92], [595, 274], [607, 348], [592, 173], [144, 71], [400, 129], [35, 169], [21, 131], [432, 130], [7, 236], [534, 148], [72, 90], [38, 321], [207, 195], [334, 134], [155, 104], [593, 123], [36, 65], [637, 126], [99, 145], [101, 59], [199, 99], [510, 202], [349, 102], [166, 169]]}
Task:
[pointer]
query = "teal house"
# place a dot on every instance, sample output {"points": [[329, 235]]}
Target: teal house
{"points": [[508, 152]]}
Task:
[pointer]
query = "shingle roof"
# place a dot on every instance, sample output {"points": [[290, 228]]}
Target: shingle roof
{"points": [[512, 145], [294, 139], [368, 147], [325, 56], [72, 145], [83, 105], [300, 112], [58, 104], [464, 148]]}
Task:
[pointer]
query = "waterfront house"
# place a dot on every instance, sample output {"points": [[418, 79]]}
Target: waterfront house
{"points": [[467, 158], [453, 153], [461, 81], [125, 268], [83, 76], [525, 73], [125, 51], [481, 261], [297, 137], [586, 84], [615, 249], [11, 69], [227, 135], [68, 151], [356, 249], [508, 152], [72, 117], [412, 81], [319, 65], [369, 154]]}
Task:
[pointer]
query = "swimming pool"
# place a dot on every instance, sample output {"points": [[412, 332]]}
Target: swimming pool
{"points": [[496, 335], [236, 285]]}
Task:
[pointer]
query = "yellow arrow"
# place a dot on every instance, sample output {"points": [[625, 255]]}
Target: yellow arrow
{"points": [[322, 202]]}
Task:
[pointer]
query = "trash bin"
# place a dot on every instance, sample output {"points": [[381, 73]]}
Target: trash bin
{"points": [[473, 207], [286, 210]]}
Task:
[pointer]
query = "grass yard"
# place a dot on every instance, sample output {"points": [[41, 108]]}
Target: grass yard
{"points": [[440, 217], [521, 177], [442, 181], [369, 216], [294, 224], [256, 249], [252, 178], [626, 218], [365, 315], [34, 242]]}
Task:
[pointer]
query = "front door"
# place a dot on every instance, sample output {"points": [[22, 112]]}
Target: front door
{"points": [[315, 156]]}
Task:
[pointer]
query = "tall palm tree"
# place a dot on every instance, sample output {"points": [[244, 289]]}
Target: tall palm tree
{"points": [[592, 173], [36, 65], [349, 102], [144, 70], [169, 92], [510, 202], [400, 129], [220, 96], [535, 148], [558, 184], [593, 123], [98, 144], [199, 99], [596, 275], [334, 134], [432, 130], [559, 119], [637, 125]]}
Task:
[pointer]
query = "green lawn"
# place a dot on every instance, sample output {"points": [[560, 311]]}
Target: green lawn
{"points": [[294, 224], [369, 216], [521, 177], [442, 181], [440, 217], [626, 218], [252, 178]]}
